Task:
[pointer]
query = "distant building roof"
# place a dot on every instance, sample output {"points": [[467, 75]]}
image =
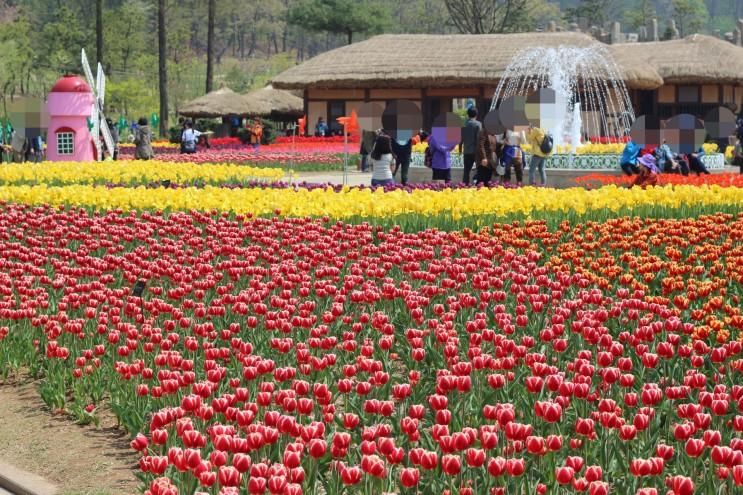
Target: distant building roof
{"points": [[415, 60]]}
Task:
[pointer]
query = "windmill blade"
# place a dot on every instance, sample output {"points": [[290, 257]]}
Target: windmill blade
{"points": [[87, 71], [107, 137], [101, 85], [95, 132]]}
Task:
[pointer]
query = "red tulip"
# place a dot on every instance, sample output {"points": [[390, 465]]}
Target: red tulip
{"points": [[351, 475], [451, 464], [515, 467], [409, 477], [564, 475], [229, 476], [475, 457]]}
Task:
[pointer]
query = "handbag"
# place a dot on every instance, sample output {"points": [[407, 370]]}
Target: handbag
{"points": [[428, 157]]}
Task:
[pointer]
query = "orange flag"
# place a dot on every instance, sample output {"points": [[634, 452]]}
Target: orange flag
{"points": [[302, 122]]}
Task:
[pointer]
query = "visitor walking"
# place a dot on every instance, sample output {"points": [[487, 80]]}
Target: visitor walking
{"points": [[367, 142], [628, 160], [403, 153], [382, 160], [256, 134], [189, 138], [321, 129], [440, 159], [738, 154], [513, 156], [18, 145], [647, 173], [114, 131], [487, 157], [37, 149], [468, 145], [541, 147], [143, 141]]}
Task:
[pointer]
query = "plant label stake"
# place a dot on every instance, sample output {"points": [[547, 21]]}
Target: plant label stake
{"points": [[138, 288]]}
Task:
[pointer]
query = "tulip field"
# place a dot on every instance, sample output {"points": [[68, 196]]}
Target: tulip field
{"points": [[287, 340]]}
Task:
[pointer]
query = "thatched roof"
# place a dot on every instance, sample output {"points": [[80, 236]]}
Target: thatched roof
{"points": [[218, 103], [418, 60], [267, 101], [696, 59]]}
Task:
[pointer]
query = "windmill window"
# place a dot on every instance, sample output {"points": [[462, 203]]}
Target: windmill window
{"points": [[65, 143]]}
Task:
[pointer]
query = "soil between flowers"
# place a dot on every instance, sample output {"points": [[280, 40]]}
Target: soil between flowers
{"points": [[79, 460]]}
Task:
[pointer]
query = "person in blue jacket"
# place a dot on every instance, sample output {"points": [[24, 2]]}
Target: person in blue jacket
{"points": [[628, 160]]}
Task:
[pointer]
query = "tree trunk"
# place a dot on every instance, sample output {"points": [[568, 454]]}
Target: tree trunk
{"points": [[99, 30], [349, 33], [210, 46], [162, 67]]}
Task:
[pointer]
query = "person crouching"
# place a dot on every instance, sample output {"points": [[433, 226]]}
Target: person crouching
{"points": [[648, 173]]}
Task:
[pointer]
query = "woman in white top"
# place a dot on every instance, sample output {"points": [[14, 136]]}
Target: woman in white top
{"points": [[382, 160], [513, 156], [189, 138]]}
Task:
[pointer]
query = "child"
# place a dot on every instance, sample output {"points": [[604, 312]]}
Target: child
{"points": [[648, 174]]}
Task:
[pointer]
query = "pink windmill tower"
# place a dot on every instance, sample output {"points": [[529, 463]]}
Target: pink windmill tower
{"points": [[70, 105]]}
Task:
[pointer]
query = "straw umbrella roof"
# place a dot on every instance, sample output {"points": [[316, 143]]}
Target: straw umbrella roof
{"points": [[696, 59], [268, 100], [413, 61], [218, 103]]}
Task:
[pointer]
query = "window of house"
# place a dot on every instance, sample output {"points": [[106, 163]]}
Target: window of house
{"points": [[335, 109], [65, 143], [688, 94]]}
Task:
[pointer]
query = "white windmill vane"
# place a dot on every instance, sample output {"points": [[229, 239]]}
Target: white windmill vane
{"points": [[98, 87]]}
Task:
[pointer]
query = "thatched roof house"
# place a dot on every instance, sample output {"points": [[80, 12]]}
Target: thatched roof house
{"points": [[696, 59], [268, 102], [219, 103], [423, 60], [690, 75]]}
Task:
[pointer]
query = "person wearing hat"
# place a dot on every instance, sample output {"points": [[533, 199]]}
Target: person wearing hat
{"points": [[648, 173]]}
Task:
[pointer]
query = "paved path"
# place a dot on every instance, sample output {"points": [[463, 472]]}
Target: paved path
{"points": [[4, 492], [355, 178]]}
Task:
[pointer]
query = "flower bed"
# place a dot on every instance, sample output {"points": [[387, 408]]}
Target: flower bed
{"points": [[131, 173], [452, 208], [297, 356], [723, 180]]}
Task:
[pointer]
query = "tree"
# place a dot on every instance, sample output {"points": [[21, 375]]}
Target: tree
{"points": [[339, 16], [99, 30], [162, 67], [690, 15], [486, 16], [639, 16], [210, 46], [593, 12]]}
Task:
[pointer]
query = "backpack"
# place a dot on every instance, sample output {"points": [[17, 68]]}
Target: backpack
{"points": [[547, 144], [428, 157]]}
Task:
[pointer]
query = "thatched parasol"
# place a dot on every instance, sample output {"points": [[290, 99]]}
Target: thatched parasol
{"points": [[219, 103], [414, 61], [696, 59], [269, 101]]}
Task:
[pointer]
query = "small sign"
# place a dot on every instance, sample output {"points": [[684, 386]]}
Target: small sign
{"points": [[138, 288]]}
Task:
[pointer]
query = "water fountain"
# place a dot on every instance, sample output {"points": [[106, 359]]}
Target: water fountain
{"points": [[590, 95]]}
